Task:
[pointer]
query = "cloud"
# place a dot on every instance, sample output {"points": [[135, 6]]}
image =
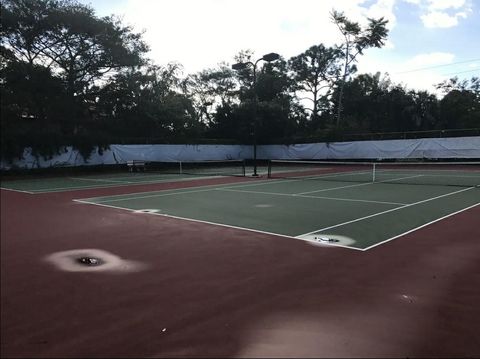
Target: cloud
{"points": [[446, 4], [438, 19], [442, 13], [420, 72], [431, 59], [201, 34], [389, 45], [383, 8]]}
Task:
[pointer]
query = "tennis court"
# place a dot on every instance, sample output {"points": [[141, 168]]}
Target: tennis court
{"points": [[218, 264], [352, 205]]}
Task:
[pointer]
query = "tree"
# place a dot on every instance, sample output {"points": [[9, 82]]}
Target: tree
{"points": [[233, 118], [455, 83], [424, 110], [147, 103], [210, 88], [62, 48], [218, 84], [275, 102], [365, 97], [314, 73], [355, 41], [262, 108], [23, 23], [32, 103], [375, 104], [460, 107], [66, 37]]}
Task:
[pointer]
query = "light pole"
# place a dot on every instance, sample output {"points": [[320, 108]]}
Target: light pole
{"points": [[241, 66]]}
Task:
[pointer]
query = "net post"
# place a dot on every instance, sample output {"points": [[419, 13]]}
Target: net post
{"points": [[180, 167], [269, 169], [374, 171], [244, 173]]}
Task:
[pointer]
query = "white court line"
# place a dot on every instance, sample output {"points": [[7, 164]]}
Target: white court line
{"points": [[332, 188], [258, 182], [186, 190], [305, 196], [178, 190], [99, 180], [276, 181], [16, 190], [420, 227], [438, 170], [299, 236], [74, 188], [399, 179], [153, 195], [241, 185], [140, 175], [312, 177], [387, 211], [79, 188], [216, 224], [361, 184]]}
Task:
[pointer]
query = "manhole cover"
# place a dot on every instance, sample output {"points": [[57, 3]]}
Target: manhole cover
{"points": [[326, 239], [90, 261]]}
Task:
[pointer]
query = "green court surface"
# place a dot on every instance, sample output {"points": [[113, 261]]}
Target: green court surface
{"points": [[354, 215], [328, 206]]}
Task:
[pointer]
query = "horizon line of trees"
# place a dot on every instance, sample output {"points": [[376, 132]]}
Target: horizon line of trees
{"points": [[68, 77]]}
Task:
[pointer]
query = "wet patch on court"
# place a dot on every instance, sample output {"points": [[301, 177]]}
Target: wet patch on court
{"points": [[328, 239], [93, 260]]}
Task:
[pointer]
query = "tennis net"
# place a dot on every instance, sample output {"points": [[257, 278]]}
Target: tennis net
{"points": [[464, 174], [201, 168]]}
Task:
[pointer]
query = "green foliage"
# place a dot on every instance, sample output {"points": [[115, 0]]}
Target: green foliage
{"points": [[68, 38], [52, 55], [69, 78], [460, 109], [355, 41], [314, 73]]}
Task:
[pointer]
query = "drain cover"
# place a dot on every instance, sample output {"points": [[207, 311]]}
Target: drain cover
{"points": [[326, 239], [90, 261]]}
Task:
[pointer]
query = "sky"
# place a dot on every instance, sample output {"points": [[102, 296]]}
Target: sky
{"points": [[429, 40]]}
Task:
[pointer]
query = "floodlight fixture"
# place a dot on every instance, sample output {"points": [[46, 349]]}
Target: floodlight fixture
{"points": [[271, 57]]}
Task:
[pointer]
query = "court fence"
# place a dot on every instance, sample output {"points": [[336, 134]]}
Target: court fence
{"points": [[424, 148]]}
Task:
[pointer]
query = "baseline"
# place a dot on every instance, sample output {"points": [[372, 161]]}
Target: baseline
{"points": [[16, 190], [215, 224]]}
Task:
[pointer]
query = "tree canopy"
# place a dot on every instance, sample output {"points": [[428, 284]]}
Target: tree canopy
{"points": [[69, 77]]}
